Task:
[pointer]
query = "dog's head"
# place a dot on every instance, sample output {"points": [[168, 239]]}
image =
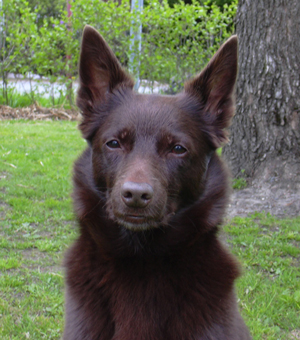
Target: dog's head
{"points": [[150, 153]]}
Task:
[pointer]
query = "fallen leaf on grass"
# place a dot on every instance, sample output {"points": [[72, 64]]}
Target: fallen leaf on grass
{"points": [[12, 165]]}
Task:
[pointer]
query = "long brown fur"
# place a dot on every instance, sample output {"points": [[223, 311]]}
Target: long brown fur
{"points": [[150, 192]]}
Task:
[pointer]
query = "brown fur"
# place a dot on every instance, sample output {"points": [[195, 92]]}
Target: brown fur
{"points": [[150, 193]]}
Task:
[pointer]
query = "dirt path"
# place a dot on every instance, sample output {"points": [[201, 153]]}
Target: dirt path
{"points": [[280, 202]]}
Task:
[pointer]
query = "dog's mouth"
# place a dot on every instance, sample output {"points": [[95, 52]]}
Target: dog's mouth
{"points": [[137, 222]]}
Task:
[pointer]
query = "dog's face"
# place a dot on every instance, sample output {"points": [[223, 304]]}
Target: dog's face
{"points": [[150, 153], [149, 158]]}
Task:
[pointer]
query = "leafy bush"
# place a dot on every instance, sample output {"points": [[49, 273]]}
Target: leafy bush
{"points": [[176, 41], [179, 41]]}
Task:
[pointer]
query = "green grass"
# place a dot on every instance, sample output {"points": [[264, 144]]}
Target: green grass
{"points": [[269, 289], [239, 183], [37, 225]]}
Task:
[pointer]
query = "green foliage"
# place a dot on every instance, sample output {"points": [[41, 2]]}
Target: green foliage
{"points": [[240, 182], [17, 34], [220, 3], [176, 41], [46, 8], [15, 99]]}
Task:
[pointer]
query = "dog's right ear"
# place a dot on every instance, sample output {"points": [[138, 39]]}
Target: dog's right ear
{"points": [[99, 74]]}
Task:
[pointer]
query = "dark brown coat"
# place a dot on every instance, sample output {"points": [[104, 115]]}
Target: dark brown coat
{"points": [[150, 193]]}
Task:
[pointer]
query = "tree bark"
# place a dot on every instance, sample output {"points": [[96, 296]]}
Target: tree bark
{"points": [[265, 134]]}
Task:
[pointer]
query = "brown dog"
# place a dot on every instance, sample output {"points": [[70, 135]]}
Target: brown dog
{"points": [[150, 193]]}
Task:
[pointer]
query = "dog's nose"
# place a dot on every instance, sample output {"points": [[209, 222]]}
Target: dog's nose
{"points": [[136, 195]]}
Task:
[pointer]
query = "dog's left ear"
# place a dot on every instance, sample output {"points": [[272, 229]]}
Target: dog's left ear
{"points": [[214, 88], [100, 73]]}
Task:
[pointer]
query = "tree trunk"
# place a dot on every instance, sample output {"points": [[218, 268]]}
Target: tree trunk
{"points": [[265, 134]]}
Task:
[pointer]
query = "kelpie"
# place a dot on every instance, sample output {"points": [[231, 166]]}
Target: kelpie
{"points": [[150, 192]]}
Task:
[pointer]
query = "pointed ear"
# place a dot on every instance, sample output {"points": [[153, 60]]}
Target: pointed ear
{"points": [[214, 88], [99, 71]]}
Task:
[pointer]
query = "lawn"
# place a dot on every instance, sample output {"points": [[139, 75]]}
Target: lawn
{"points": [[37, 225]]}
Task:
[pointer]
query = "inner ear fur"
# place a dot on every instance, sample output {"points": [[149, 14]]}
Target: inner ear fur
{"points": [[99, 71], [214, 88]]}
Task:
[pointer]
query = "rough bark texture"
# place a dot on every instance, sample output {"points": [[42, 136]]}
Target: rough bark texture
{"points": [[265, 135]]}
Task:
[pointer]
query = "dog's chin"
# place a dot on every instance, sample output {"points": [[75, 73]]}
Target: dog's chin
{"points": [[137, 223]]}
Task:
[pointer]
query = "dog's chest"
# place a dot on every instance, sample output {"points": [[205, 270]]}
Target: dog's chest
{"points": [[158, 304]]}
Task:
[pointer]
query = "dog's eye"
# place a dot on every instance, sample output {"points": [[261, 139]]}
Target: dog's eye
{"points": [[178, 150], [113, 144]]}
